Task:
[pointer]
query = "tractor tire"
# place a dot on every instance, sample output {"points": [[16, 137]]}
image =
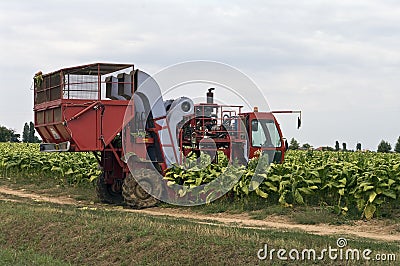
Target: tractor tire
{"points": [[106, 193], [137, 197]]}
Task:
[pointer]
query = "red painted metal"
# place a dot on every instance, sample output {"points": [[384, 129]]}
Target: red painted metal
{"points": [[82, 123], [64, 112], [205, 126], [71, 105], [78, 105], [230, 141], [264, 116]]}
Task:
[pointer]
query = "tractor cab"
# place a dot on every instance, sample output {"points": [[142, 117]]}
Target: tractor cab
{"points": [[264, 135]]}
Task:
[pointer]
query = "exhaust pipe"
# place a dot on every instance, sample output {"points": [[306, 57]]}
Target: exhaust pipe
{"points": [[210, 96]]}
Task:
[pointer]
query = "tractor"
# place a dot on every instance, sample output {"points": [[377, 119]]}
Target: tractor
{"points": [[117, 112]]}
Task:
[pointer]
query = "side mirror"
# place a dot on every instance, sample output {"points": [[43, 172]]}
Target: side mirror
{"points": [[286, 145], [298, 122]]}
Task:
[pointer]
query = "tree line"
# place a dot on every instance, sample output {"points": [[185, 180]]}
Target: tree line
{"points": [[28, 134], [384, 146]]}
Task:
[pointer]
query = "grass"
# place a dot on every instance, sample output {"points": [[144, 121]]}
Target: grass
{"points": [[78, 236], [15, 257], [305, 215], [261, 209], [256, 208], [308, 215], [48, 234], [51, 187]]}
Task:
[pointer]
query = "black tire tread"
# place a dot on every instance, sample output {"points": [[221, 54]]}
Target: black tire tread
{"points": [[105, 195], [130, 186]]}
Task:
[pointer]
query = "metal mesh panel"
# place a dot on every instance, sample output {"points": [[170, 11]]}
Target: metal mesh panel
{"points": [[50, 89], [55, 93], [40, 97], [55, 79], [80, 87], [83, 83]]}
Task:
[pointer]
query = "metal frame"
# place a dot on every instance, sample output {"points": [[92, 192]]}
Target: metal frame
{"points": [[88, 124]]}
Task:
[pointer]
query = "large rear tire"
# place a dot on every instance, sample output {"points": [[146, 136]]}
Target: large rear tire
{"points": [[108, 193], [137, 191]]}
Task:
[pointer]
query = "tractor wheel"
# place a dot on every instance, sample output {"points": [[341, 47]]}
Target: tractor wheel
{"points": [[135, 195], [108, 193]]}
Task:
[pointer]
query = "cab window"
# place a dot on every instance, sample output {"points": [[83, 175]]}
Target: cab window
{"points": [[264, 133]]}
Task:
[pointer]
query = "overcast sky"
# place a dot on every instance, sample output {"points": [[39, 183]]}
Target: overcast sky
{"points": [[337, 61]]}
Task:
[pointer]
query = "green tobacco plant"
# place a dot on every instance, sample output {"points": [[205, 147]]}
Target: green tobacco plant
{"points": [[359, 182], [363, 183], [23, 159]]}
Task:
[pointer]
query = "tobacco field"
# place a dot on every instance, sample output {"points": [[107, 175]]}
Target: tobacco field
{"points": [[362, 183], [26, 160], [365, 183]]}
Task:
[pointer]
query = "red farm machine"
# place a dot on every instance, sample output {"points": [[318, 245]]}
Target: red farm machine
{"points": [[86, 109]]}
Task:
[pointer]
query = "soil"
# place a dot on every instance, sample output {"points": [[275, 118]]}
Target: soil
{"points": [[375, 229]]}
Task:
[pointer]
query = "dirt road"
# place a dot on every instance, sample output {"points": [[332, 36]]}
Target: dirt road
{"points": [[374, 229]]}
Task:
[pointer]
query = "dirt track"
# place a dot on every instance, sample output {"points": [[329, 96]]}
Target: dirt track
{"points": [[371, 229]]}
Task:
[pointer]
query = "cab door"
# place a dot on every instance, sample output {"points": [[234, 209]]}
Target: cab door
{"points": [[265, 135]]}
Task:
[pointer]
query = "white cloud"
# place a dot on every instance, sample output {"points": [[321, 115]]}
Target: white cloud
{"points": [[330, 58]]}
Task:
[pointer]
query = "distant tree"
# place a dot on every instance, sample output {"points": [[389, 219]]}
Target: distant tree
{"points": [[306, 146], [294, 144], [344, 146], [28, 134], [327, 148], [7, 134], [384, 146], [397, 147], [358, 147], [31, 132], [337, 147], [25, 133], [14, 136]]}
